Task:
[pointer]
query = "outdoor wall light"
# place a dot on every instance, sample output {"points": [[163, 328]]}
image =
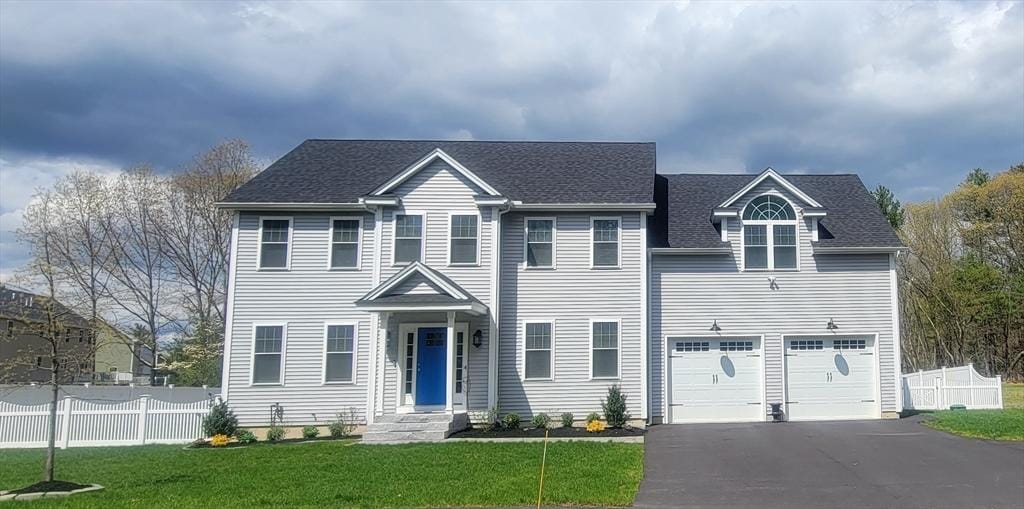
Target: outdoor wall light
{"points": [[478, 338], [831, 325], [715, 327]]}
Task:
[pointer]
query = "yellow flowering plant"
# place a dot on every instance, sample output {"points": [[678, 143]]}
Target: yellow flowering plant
{"points": [[595, 426], [219, 440]]}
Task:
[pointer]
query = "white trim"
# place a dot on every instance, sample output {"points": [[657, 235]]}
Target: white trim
{"points": [[424, 162], [252, 353], [590, 348], [724, 226], [896, 332], [770, 173], [526, 242], [769, 226], [288, 250], [618, 241], [645, 316], [257, 206], [621, 207], [522, 349], [489, 201], [691, 250], [725, 212], [876, 351], [394, 235], [374, 337], [330, 242], [404, 328], [355, 353], [859, 250], [474, 308], [402, 275], [449, 365], [493, 345], [479, 238], [380, 201], [814, 229], [666, 416], [229, 311]]}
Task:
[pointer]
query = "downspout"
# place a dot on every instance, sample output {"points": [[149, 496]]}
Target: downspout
{"points": [[494, 346]]}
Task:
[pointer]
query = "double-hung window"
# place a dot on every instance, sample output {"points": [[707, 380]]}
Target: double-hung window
{"points": [[408, 238], [538, 358], [464, 233], [605, 236], [268, 354], [604, 357], [769, 234], [275, 235], [540, 243], [345, 243], [339, 354]]}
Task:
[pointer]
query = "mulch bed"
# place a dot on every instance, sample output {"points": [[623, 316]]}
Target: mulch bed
{"points": [[553, 433], [206, 445], [44, 486]]}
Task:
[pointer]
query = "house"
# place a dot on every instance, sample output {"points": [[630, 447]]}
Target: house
{"points": [[25, 355], [435, 280], [114, 358]]}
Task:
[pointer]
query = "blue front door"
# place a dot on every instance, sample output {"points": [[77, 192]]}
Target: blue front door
{"points": [[431, 366]]}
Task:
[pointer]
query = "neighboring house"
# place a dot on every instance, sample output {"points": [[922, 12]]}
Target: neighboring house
{"points": [[114, 358], [404, 277], [25, 355]]}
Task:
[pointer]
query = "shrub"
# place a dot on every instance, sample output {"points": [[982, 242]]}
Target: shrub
{"points": [[541, 420], [245, 436], [595, 427], [220, 421], [310, 432], [275, 433], [593, 416], [511, 421], [219, 440], [614, 407], [344, 424], [567, 419], [492, 421]]}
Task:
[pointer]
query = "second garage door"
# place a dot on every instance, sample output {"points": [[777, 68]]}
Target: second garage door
{"points": [[831, 378], [715, 380]]}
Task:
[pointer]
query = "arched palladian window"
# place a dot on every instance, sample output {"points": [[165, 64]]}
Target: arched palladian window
{"points": [[769, 234]]}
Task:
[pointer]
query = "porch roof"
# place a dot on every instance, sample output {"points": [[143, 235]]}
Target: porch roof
{"points": [[439, 294]]}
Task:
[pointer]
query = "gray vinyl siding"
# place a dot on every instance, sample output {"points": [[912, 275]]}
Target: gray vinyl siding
{"points": [[305, 297], [570, 295], [689, 292]]}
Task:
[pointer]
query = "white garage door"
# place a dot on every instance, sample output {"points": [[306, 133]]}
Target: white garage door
{"points": [[831, 378], [715, 380]]}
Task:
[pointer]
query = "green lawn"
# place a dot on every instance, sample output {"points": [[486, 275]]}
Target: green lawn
{"points": [[1013, 395], [338, 474], [1006, 424]]}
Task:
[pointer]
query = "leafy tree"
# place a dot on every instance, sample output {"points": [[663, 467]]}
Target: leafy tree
{"points": [[196, 358], [890, 206]]}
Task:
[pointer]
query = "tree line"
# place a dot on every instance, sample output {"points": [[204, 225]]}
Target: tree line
{"points": [[962, 283]]}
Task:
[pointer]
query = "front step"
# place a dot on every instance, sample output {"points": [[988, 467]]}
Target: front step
{"points": [[408, 428]]}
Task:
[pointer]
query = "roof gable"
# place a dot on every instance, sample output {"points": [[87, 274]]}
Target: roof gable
{"points": [[769, 173], [417, 279], [424, 162]]}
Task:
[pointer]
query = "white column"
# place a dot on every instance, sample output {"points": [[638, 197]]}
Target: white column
{"points": [[449, 368], [382, 355]]}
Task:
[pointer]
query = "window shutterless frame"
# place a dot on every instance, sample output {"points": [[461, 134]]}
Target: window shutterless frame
{"points": [[461, 234], [602, 237], [769, 227], [526, 242], [331, 242], [394, 234], [288, 243], [591, 348], [551, 349], [283, 353], [354, 352]]}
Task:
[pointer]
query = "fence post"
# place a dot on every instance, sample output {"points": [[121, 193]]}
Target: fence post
{"points": [[938, 393], [143, 416], [65, 423], [999, 388], [970, 385]]}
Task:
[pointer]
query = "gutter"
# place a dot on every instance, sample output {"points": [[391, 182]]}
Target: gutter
{"points": [[691, 250]]}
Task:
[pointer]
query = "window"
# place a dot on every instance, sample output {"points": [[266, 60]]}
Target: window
{"points": [[806, 344], [408, 238], [460, 350], [274, 237], [538, 351], [39, 362], [464, 240], [10, 329], [735, 346], [605, 355], [849, 344], [345, 243], [769, 234], [339, 354], [605, 235], [410, 341], [540, 243], [692, 346], [81, 335], [67, 335], [268, 353]]}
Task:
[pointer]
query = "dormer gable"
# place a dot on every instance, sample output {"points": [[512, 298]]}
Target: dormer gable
{"points": [[435, 155], [729, 206]]}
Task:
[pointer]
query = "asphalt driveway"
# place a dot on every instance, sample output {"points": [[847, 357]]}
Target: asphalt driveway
{"points": [[856, 464]]}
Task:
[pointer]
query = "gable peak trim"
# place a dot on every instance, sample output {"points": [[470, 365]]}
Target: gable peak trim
{"points": [[770, 173], [410, 270], [425, 161]]}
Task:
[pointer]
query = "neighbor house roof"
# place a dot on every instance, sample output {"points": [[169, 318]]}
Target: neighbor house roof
{"points": [[685, 204], [342, 171], [25, 306]]}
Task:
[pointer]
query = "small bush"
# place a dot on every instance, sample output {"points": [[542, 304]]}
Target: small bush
{"points": [[593, 416], [275, 433], [614, 407], [245, 436], [595, 427], [492, 421], [511, 421], [344, 424], [220, 421], [567, 419], [541, 420], [310, 432], [219, 440]]}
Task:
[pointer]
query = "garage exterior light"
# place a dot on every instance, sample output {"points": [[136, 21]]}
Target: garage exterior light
{"points": [[831, 325], [715, 327]]}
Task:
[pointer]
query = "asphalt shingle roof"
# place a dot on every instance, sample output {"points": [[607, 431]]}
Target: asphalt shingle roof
{"points": [[685, 203], [341, 171]]}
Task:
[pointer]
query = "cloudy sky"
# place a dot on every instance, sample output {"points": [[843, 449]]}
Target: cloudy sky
{"points": [[908, 95]]}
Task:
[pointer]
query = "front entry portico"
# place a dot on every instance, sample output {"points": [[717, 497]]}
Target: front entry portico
{"points": [[421, 356]]}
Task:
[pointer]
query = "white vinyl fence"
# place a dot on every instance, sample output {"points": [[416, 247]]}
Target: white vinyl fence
{"points": [[83, 423], [939, 389]]}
